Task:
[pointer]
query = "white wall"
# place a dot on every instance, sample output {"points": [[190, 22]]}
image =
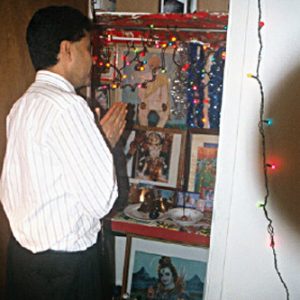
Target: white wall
{"points": [[241, 262]]}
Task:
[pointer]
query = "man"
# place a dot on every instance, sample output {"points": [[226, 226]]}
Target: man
{"points": [[58, 177]]}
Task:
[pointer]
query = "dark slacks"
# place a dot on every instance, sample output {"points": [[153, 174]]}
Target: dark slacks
{"points": [[53, 275]]}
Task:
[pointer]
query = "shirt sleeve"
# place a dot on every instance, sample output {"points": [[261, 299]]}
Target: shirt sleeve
{"points": [[87, 161]]}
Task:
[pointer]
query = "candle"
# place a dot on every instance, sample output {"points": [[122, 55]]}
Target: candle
{"points": [[162, 206], [142, 196]]}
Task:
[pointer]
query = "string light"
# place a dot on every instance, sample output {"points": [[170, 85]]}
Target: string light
{"points": [[266, 166], [114, 85], [186, 85]]}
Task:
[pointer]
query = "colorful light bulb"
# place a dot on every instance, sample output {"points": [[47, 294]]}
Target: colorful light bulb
{"points": [[260, 204], [269, 122], [271, 166]]}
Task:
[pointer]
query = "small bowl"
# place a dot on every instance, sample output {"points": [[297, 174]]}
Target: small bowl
{"points": [[190, 217]]}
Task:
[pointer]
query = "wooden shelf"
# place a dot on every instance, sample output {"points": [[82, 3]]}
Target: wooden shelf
{"points": [[198, 235], [208, 27]]}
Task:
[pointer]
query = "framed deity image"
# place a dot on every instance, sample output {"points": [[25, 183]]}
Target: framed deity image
{"points": [[155, 156], [203, 144], [190, 200], [174, 6], [101, 102], [160, 270], [102, 97], [147, 83]]}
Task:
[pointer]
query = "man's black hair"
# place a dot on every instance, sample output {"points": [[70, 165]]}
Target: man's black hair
{"points": [[48, 28]]}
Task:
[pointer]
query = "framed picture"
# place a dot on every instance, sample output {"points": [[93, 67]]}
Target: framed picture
{"points": [[190, 200], [203, 161], [99, 101], [147, 83], [192, 6], [155, 156], [174, 6], [104, 5], [158, 270]]}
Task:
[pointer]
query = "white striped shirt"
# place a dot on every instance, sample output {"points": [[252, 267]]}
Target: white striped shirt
{"points": [[57, 179]]}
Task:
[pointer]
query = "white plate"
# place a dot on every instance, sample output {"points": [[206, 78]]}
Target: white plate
{"points": [[132, 212], [193, 216]]}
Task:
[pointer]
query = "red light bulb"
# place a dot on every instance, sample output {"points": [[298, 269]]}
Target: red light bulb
{"points": [[272, 166]]}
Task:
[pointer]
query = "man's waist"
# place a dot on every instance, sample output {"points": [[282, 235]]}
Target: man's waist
{"points": [[14, 244], [78, 238]]}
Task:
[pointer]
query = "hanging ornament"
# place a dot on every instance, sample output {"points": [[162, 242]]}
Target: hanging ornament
{"points": [[195, 84], [205, 78], [215, 88], [179, 83]]}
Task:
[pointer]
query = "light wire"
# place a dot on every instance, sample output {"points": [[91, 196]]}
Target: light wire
{"points": [[270, 227]]}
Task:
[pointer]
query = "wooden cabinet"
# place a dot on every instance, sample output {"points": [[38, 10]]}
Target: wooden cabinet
{"points": [[189, 51]]}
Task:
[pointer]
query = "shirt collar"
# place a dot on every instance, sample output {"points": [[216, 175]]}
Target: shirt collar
{"points": [[54, 79]]}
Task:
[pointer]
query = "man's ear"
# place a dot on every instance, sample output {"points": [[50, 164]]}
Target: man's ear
{"points": [[65, 51]]}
